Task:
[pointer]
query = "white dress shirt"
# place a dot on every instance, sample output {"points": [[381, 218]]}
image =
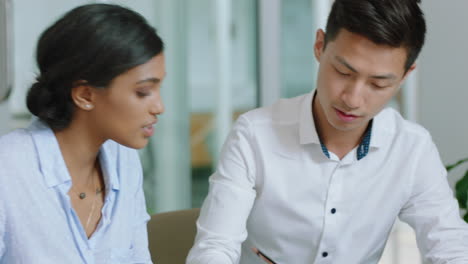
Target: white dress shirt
{"points": [[38, 224], [275, 189]]}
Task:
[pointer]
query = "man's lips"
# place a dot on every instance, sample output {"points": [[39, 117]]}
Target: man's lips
{"points": [[346, 117]]}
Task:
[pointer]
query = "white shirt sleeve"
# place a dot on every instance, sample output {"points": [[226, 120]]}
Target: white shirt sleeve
{"points": [[222, 222], [434, 214]]}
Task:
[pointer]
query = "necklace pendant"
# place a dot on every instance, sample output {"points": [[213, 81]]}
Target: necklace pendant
{"points": [[82, 195]]}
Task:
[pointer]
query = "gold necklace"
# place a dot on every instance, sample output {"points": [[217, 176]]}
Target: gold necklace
{"points": [[93, 206], [82, 195]]}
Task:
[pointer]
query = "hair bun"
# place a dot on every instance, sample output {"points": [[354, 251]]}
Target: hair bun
{"points": [[41, 103], [37, 98]]}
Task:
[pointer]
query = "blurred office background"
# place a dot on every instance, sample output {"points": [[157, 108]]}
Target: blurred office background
{"points": [[225, 57]]}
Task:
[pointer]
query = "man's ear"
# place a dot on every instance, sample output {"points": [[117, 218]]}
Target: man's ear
{"points": [[319, 44], [407, 73], [82, 95]]}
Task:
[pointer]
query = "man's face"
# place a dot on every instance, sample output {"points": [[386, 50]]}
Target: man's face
{"points": [[356, 79]]}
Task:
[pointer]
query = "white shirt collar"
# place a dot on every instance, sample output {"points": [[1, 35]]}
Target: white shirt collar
{"points": [[308, 132]]}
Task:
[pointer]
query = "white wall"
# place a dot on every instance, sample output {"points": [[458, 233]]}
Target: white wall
{"points": [[30, 18], [443, 65], [4, 118]]}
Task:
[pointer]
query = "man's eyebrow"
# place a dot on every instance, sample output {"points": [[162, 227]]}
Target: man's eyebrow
{"points": [[343, 61], [152, 80], [389, 76]]}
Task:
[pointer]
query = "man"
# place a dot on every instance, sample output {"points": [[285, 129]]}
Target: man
{"points": [[321, 178]]}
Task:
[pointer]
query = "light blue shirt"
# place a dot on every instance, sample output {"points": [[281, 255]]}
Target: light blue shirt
{"points": [[37, 222]]}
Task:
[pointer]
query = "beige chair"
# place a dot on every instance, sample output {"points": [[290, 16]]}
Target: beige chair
{"points": [[171, 235]]}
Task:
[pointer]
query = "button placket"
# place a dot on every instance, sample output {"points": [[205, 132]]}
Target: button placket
{"points": [[330, 236]]}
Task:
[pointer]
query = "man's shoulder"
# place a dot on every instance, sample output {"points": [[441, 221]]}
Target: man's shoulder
{"points": [[393, 122], [285, 110]]}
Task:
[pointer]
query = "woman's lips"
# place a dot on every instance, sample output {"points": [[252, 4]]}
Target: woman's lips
{"points": [[345, 117]]}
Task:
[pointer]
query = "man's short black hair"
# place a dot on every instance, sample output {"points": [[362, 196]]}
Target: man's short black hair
{"points": [[396, 23]]}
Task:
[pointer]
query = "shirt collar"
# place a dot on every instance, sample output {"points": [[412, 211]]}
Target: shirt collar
{"points": [[363, 148], [307, 131], [52, 164], [380, 130], [374, 136], [50, 158], [109, 154]]}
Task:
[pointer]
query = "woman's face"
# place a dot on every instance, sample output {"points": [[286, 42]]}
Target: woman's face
{"points": [[126, 111]]}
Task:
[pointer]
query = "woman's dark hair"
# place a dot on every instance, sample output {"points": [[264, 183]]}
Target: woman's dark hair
{"points": [[94, 43], [396, 23]]}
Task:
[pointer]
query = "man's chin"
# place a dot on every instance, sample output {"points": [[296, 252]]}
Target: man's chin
{"points": [[347, 127]]}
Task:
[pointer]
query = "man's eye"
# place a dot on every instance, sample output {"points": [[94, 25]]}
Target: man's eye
{"points": [[379, 86], [142, 94], [342, 73]]}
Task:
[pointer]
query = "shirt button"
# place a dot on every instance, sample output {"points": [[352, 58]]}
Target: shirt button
{"points": [[333, 211], [324, 254]]}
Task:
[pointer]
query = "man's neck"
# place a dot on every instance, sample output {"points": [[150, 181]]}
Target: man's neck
{"points": [[337, 141]]}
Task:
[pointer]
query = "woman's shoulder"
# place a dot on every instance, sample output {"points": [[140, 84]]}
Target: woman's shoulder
{"points": [[16, 151], [17, 141]]}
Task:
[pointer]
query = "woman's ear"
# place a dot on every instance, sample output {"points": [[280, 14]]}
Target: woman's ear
{"points": [[82, 95]]}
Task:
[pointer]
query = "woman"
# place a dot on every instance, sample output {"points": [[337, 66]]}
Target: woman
{"points": [[71, 183]]}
